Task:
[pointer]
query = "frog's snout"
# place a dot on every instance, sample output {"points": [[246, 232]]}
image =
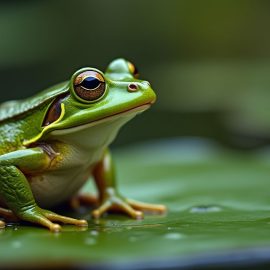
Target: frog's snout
{"points": [[135, 86]]}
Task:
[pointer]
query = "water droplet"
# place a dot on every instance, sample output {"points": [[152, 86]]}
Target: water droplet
{"points": [[90, 241], [174, 236], [16, 244], [205, 209], [94, 232]]}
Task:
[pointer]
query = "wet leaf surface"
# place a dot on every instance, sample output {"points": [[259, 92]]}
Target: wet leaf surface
{"points": [[218, 202]]}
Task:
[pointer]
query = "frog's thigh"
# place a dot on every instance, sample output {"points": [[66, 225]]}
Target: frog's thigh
{"points": [[14, 187], [16, 192]]}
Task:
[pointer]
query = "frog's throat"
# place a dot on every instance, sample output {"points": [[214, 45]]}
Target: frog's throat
{"points": [[40, 135]]}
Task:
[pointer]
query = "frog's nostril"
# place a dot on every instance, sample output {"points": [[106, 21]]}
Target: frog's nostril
{"points": [[132, 87]]}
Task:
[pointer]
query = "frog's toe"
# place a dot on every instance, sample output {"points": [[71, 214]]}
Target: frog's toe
{"points": [[160, 208], [102, 209], [2, 224], [82, 222], [63, 219], [139, 215], [36, 215], [46, 218], [55, 227], [130, 207], [129, 210], [117, 204]]}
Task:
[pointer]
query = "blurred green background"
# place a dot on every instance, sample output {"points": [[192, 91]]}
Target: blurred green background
{"points": [[208, 61]]}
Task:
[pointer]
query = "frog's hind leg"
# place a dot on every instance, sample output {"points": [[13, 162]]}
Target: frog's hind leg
{"points": [[63, 219], [16, 192], [149, 207], [111, 200], [83, 199], [25, 206]]}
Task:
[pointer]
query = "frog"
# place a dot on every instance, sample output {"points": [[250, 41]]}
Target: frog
{"points": [[54, 142]]}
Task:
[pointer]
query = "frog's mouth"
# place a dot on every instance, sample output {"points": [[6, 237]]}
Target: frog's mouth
{"points": [[131, 113], [53, 128]]}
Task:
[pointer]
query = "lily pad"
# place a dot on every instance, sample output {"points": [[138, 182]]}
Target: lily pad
{"points": [[218, 213]]}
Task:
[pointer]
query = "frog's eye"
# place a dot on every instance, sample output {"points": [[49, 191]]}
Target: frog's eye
{"points": [[89, 86], [133, 70]]}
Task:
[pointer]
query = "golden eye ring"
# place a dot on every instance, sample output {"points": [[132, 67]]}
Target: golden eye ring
{"points": [[133, 70], [89, 86]]}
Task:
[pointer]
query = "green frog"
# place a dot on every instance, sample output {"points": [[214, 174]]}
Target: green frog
{"points": [[54, 141]]}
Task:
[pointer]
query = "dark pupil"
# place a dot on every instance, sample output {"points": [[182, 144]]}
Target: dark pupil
{"points": [[90, 83]]}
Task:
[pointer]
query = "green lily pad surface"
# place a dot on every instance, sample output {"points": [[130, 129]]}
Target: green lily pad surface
{"points": [[218, 203]]}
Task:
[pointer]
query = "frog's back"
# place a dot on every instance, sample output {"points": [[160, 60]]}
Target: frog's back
{"points": [[23, 118], [15, 108]]}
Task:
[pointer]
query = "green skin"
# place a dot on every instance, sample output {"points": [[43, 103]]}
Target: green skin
{"points": [[43, 166]]}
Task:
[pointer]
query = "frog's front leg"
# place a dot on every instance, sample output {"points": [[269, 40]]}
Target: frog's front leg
{"points": [[110, 199], [16, 192]]}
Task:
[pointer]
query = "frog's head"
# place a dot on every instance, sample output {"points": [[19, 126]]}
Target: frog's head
{"points": [[92, 96]]}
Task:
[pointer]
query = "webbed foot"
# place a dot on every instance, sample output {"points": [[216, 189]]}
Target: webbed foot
{"points": [[46, 218], [114, 201]]}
